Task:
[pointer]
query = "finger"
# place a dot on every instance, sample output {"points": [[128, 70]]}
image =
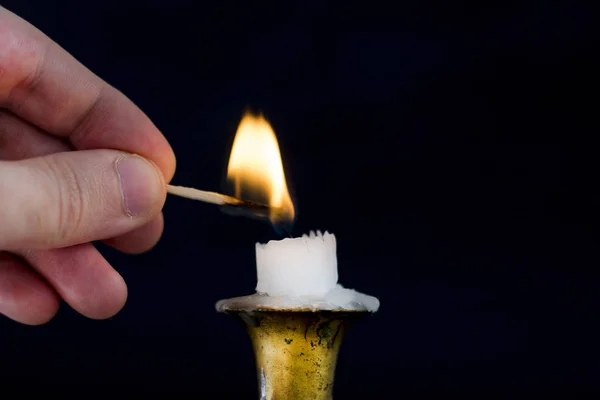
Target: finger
{"points": [[82, 277], [76, 197], [141, 239], [43, 84], [24, 296], [20, 140], [70, 269]]}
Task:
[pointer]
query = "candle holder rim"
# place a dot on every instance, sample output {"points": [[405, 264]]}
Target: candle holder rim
{"points": [[292, 310], [252, 303]]}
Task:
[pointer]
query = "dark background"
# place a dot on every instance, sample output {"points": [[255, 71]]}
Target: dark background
{"points": [[448, 145]]}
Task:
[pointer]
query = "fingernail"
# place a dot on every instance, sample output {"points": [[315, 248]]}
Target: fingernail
{"points": [[141, 184]]}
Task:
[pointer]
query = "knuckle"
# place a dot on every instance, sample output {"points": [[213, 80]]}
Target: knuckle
{"points": [[21, 58], [70, 204]]}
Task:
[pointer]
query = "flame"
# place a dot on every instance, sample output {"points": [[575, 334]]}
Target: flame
{"points": [[256, 171]]}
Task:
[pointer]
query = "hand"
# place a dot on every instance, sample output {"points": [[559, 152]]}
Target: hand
{"points": [[60, 185]]}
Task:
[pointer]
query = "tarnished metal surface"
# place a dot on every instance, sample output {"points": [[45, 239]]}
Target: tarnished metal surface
{"points": [[296, 351]]}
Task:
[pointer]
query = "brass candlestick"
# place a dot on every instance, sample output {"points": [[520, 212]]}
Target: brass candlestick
{"points": [[295, 348]]}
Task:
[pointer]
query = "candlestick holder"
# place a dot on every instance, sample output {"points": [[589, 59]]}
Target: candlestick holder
{"points": [[295, 346]]}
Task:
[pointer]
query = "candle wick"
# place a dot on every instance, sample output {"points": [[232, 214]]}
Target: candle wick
{"points": [[286, 232]]}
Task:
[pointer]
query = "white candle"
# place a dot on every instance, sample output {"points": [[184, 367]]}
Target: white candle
{"points": [[300, 274], [299, 267]]}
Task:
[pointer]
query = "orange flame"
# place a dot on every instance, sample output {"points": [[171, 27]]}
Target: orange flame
{"points": [[256, 171]]}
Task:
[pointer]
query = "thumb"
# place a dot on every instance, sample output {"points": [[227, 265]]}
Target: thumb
{"points": [[76, 197]]}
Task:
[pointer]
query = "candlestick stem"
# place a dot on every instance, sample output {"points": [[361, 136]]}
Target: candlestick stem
{"points": [[296, 351]]}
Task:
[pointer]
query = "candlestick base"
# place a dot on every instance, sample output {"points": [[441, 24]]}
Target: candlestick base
{"points": [[295, 349]]}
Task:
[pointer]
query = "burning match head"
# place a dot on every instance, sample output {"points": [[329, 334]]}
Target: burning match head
{"points": [[250, 209]]}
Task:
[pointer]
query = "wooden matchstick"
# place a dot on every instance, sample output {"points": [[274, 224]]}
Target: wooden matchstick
{"points": [[214, 198], [201, 195]]}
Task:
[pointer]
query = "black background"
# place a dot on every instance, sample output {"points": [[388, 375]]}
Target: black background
{"points": [[448, 145]]}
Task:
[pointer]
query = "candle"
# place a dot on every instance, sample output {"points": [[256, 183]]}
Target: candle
{"points": [[303, 273], [299, 267]]}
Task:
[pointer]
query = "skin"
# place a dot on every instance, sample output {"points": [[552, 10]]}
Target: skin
{"points": [[63, 134]]}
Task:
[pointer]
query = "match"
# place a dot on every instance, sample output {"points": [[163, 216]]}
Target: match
{"points": [[217, 198]]}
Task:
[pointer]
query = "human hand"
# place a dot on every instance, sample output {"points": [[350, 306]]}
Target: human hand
{"points": [[60, 185]]}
